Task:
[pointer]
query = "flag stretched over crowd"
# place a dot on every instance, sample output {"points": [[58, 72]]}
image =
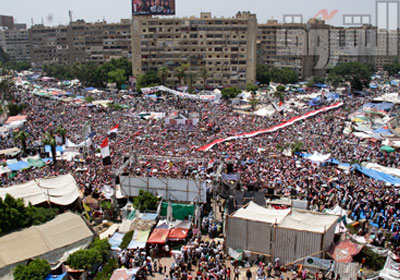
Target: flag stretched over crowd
{"points": [[272, 129], [105, 152]]}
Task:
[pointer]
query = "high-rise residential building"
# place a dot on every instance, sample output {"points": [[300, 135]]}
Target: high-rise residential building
{"points": [[99, 41], [80, 42], [6, 21], [15, 42], [48, 45], [226, 47]]}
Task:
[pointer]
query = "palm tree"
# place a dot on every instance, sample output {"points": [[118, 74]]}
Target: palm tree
{"points": [[60, 130], [163, 74], [21, 137], [180, 74], [191, 77], [48, 139], [253, 102], [204, 76]]}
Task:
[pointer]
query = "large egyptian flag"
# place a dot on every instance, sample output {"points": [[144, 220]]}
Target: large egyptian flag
{"points": [[271, 129], [105, 152], [113, 132]]}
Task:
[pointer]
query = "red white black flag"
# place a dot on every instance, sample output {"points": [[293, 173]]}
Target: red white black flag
{"points": [[105, 152]]}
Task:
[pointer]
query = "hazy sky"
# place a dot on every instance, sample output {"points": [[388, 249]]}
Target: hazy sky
{"points": [[55, 12]]}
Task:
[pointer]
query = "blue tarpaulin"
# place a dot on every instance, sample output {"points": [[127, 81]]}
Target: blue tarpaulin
{"points": [[56, 277], [383, 106], [149, 216], [116, 240], [315, 101], [47, 149], [369, 172], [383, 131], [377, 175], [18, 165], [321, 85], [89, 88]]}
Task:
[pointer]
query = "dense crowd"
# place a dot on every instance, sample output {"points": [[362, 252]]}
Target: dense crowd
{"points": [[159, 151]]}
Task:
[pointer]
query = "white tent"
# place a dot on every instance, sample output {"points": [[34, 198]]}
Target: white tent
{"points": [[288, 234], [52, 241], [61, 190]]}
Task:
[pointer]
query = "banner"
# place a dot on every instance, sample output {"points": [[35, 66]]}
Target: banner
{"points": [[231, 177], [272, 129], [86, 130]]}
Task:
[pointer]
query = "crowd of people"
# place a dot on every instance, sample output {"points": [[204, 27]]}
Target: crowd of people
{"points": [[159, 151]]}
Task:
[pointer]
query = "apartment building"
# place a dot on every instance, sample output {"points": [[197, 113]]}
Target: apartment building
{"points": [[15, 42], [99, 41], [80, 42], [48, 45], [226, 47]]}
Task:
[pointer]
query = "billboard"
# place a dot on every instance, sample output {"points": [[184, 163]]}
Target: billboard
{"points": [[153, 7]]}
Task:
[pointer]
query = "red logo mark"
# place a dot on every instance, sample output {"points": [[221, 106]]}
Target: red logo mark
{"points": [[325, 15]]}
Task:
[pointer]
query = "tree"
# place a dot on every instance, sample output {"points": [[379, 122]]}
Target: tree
{"points": [[392, 69], [7, 88], [60, 130], [280, 93], [35, 270], [230, 92], [180, 74], [204, 76], [335, 80], [252, 88], [253, 102], [263, 74], [148, 79], [22, 137], [102, 246], [145, 201], [285, 76], [48, 139], [163, 74], [315, 80], [358, 74], [191, 78], [12, 214], [117, 76], [84, 258], [89, 99], [15, 215], [15, 109], [4, 57]]}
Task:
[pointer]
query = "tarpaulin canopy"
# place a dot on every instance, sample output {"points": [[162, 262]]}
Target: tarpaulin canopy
{"points": [[61, 190], [10, 152], [387, 148], [378, 175], [139, 239], [18, 165], [178, 233], [16, 118], [381, 168], [179, 211], [158, 236], [344, 251], [258, 213], [116, 240], [52, 241], [124, 273]]}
